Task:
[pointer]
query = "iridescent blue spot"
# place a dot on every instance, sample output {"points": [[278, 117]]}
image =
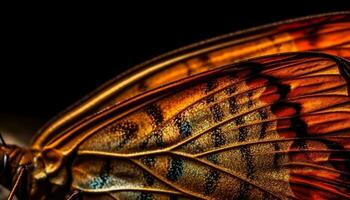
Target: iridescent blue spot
{"points": [[99, 182], [175, 169], [184, 126]]}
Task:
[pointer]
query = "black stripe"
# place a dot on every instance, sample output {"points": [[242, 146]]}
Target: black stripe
{"points": [[312, 34], [263, 130], [245, 151], [276, 156], [210, 99], [155, 113], [129, 130], [250, 101], [242, 131], [230, 90], [242, 134], [216, 112], [216, 136], [232, 105], [248, 158], [211, 181], [263, 114], [239, 120], [159, 138], [213, 158], [149, 161], [175, 169], [184, 126]]}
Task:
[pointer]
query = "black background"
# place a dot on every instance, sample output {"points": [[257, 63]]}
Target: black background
{"points": [[53, 58]]}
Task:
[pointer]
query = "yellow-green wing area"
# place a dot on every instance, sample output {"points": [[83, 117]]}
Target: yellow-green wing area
{"points": [[275, 127], [328, 33]]}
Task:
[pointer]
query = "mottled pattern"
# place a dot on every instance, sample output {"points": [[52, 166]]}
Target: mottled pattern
{"points": [[258, 135], [175, 169], [155, 113], [327, 33], [200, 127]]}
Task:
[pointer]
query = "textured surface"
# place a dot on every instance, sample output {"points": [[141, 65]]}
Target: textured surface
{"points": [[195, 124], [271, 128], [326, 33]]}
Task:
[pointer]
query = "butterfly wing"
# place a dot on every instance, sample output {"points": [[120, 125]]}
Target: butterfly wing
{"points": [[328, 33], [270, 128]]}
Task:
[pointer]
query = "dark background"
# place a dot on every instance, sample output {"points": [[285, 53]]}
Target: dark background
{"points": [[53, 58]]}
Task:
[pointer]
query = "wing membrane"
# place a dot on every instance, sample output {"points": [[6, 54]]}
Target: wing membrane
{"points": [[270, 128], [326, 33]]}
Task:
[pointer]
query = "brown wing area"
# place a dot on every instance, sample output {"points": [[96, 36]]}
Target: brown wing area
{"points": [[328, 33], [271, 128]]}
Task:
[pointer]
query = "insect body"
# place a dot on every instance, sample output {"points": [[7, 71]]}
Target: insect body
{"points": [[273, 127]]}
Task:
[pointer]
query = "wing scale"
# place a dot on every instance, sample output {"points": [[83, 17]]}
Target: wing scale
{"points": [[270, 128], [326, 33]]}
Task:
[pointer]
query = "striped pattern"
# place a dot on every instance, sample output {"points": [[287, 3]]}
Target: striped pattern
{"points": [[249, 141], [326, 33], [197, 126]]}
